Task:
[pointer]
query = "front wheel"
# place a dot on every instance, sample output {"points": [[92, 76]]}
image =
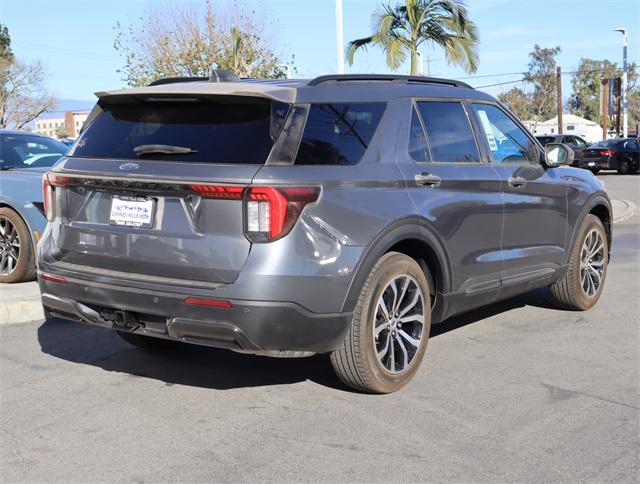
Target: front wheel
{"points": [[582, 285], [390, 328]]}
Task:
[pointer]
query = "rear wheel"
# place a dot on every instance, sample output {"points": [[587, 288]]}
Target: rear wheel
{"points": [[582, 285], [390, 328], [595, 171], [148, 343], [17, 258], [624, 168]]}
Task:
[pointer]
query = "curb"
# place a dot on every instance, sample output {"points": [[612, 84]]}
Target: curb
{"points": [[623, 210], [23, 311]]}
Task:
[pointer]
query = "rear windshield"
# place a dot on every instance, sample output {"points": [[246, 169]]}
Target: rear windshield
{"points": [[229, 130]]}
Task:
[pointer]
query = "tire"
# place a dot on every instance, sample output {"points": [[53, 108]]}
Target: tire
{"points": [[573, 291], [624, 168], [148, 343], [357, 362], [595, 171], [17, 256]]}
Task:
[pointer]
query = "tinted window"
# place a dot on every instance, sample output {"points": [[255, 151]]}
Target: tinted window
{"points": [[448, 132], [609, 143], [545, 140], [229, 130], [28, 151], [579, 141], [418, 148], [338, 134], [507, 142]]}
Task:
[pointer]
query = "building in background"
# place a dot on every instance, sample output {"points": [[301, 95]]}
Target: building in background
{"points": [[589, 130], [61, 125]]}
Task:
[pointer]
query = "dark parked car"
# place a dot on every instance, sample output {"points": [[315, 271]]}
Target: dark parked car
{"points": [[620, 154], [340, 215], [24, 157], [576, 143]]}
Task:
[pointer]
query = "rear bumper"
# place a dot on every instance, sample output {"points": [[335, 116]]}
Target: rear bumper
{"points": [[264, 327]]}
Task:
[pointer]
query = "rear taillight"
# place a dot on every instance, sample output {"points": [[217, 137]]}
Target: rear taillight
{"points": [[271, 212], [49, 181], [607, 153], [218, 191]]}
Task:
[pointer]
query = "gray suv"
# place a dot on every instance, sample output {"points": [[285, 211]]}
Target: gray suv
{"points": [[340, 215]]}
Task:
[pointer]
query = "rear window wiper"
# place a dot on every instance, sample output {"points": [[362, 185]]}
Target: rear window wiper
{"points": [[163, 149]]}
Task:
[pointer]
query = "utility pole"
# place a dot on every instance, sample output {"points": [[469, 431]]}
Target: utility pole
{"points": [[605, 109], [623, 31], [339, 39], [559, 98]]}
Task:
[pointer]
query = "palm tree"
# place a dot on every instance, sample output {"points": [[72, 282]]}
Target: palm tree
{"points": [[404, 28]]}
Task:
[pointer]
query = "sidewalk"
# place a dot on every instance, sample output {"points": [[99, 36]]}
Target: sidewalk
{"points": [[20, 303]]}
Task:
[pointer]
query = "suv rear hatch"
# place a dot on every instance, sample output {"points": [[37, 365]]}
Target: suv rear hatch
{"points": [[154, 186]]}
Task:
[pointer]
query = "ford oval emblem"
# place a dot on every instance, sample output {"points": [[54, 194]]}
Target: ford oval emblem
{"points": [[129, 166]]}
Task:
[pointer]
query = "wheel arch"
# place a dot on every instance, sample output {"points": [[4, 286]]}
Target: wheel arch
{"points": [[600, 206], [412, 236]]}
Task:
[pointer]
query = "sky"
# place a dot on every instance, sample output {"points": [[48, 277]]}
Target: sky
{"points": [[74, 38]]}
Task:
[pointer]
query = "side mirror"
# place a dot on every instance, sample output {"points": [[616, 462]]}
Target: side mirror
{"points": [[557, 154]]}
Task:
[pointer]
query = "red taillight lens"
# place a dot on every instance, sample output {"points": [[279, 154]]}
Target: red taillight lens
{"points": [[270, 212], [204, 301], [607, 153], [218, 191], [50, 180]]}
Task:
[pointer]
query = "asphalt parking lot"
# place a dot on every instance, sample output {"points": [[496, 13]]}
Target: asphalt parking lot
{"points": [[516, 391]]}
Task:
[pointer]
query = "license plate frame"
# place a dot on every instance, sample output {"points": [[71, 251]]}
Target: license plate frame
{"points": [[132, 211]]}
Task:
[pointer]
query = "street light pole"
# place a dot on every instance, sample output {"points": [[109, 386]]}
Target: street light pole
{"points": [[339, 38], [623, 31]]}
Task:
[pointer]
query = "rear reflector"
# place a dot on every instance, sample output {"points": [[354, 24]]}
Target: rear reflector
{"points": [[214, 303], [53, 278]]}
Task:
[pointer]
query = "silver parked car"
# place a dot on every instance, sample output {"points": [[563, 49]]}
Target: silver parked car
{"points": [[340, 215]]}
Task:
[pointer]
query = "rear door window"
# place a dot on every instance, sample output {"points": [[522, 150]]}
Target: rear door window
{"points": [[338, 133], [229, 130], [508, 143], [449, 133]]}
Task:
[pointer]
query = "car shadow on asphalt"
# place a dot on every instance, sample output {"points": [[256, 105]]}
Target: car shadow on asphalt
{"points": [[204, 367]]}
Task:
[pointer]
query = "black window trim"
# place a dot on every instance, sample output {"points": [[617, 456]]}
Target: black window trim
{"points": [[462, 101], [507, 113]]}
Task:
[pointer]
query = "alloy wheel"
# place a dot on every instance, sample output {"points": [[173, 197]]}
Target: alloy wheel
{"points": [[592, 263], [399, 323], [9, 247]]}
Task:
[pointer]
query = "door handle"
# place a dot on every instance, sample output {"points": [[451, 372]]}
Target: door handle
{"points": [[516, 181], [428, 180]]}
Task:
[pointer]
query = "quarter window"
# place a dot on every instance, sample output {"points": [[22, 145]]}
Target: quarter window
{"points": [[418, 148], [448, 132], [507, 142], [338, 133]]}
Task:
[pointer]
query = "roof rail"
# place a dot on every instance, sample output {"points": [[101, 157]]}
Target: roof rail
{"points": [[386, 77], [173, 80]]}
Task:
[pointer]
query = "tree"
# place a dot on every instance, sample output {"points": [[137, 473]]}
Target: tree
{"points": [[517, 101], [402, 29], [61, 132], [586, 82], [5, 45], [189, 40], [541, 77], [23, 96]]}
